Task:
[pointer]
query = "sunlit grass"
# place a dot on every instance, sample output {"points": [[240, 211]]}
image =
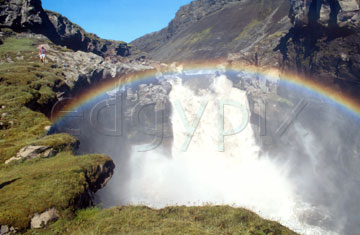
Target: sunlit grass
{"points": [[170, 220]]}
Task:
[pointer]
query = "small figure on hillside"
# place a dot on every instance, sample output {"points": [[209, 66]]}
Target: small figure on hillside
{"points": [[42, 54]]}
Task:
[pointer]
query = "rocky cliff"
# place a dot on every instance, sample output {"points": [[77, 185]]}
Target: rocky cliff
{"points": [[212, 29], [186, 16], [29, 16], [312, 37], [323, 42]]}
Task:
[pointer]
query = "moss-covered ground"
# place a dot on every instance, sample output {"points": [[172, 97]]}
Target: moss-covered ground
{"points": [[170, 220]]}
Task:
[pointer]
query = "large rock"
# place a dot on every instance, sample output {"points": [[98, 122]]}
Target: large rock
{"points": [[6, 230], [41, 220], [30, 152]]}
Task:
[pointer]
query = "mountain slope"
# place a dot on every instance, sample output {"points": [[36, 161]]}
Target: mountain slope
{"points": [[29, 16], [235, 26]]}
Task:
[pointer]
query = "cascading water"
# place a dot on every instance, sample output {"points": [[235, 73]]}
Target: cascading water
{"points": [[307, 179], [199, 173]]}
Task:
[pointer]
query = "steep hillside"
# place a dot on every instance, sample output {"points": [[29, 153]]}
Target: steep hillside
{"points": [[29, 16], [316, 38], [229, 27], [38, 173], [185, 17]]}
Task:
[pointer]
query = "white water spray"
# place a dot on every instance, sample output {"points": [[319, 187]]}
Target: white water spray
{"points": [[203, 175]]}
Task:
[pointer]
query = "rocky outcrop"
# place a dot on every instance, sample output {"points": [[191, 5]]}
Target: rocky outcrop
{"points": [[323, 42], [22, 15], [31, 152], [343, 13], [41, 220], [82, 69], [29, 16], [74, 37], [212, 29], [46, 147], [96, 179]]}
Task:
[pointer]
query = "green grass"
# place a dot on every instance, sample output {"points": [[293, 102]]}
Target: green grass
{"points": [[25, 86], [247, 29], [39, 184], [171, 220], [17, 44], [196, 37]]}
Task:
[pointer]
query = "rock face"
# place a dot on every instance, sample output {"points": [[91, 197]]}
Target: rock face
{"points": [[326, 13], [323, 42], [212, 29], [29, 16], [186, 16], [41, 220], [21, 15], [74, 37], [82, 69]]}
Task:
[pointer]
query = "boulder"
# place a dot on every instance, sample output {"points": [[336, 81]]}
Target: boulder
{"points": [[30, 152], [41, 220], [7, 230]]}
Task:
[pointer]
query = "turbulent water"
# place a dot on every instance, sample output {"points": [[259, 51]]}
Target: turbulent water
{"points": [[204, 174], [307, 182]]}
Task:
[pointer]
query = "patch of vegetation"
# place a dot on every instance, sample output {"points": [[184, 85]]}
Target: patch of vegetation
{"points": [[36, 185], [14, 44], [200, 36], [170, 220], [247, 29]]}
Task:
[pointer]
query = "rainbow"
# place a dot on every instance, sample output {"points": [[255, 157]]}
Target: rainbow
{"points": [[328, 91]]}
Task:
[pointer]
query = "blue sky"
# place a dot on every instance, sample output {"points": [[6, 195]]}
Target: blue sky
{"points": [[123, 20]]}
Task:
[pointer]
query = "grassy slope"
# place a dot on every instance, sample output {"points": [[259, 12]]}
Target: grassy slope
{"points": [[39, 184], [171, 220], [27, 187], [23, 83]]}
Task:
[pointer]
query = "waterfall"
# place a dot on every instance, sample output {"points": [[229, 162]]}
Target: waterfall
{"points": [[203, 169]]}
